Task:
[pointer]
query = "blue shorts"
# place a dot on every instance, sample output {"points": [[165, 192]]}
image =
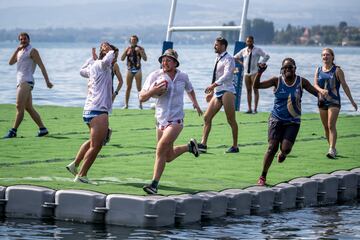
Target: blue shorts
{"points": [[89, 115], [220, 94], [134, 70]]}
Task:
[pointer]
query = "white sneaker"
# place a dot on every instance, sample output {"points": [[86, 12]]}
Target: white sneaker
{"points": [[83, 179], [72, 168], [331, 153]]}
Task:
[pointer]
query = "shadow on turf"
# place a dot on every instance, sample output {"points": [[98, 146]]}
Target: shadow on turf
{"points": [[161, 187]]}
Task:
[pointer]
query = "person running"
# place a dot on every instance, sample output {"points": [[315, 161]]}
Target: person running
{"points": [[133, 54], [220, 93], [114, 72], [168, 85], [27, 58], [249, 57], [327, 81], [98, 105], [284, 120]]}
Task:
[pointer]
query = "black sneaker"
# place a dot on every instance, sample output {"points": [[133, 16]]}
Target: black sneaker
{"points": [[10, 134], [42, 132], [193, 147], [202, 148], [149, 189], [232, 150]]}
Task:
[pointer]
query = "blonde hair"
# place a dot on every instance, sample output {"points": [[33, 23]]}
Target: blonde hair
{"points": [[331, 53]]}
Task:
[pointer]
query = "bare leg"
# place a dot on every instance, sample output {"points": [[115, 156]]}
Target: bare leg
{"points": [[81, 153], [22, 96], [285, 148], [33, 113], [270, 154], [333, 114], [165, 151], [324, 120], [138, 78], [98, 130], [129, 78], [248, 86], [256, 93], [213, 108], [229, 107]]}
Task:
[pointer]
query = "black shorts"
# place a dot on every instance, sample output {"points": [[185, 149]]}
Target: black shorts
{"points": [[280, 130], [326, 105]]}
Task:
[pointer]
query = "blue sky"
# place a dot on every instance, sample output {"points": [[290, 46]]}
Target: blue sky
{"points": [[119, 13]]}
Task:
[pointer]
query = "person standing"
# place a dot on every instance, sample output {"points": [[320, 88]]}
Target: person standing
{"points": [[249, 57], [221, 92], [327, 81], [27, 58], [168, 85], [133, 55], [97, 107], [284, 120]]}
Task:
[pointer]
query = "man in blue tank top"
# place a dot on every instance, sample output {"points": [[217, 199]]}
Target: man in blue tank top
{"points": [[284, 120]]}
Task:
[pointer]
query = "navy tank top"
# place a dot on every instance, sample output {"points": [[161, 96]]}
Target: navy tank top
{"points": [[287, 103], [328, 81]]}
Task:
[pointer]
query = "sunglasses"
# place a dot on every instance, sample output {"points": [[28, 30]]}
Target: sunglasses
{"points": [[290, 67]]}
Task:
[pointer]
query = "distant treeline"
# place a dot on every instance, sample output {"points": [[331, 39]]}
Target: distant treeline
{"points": [[263, 31]]}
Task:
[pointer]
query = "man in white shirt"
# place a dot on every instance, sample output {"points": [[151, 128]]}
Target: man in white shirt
{"points": [[167, 85], [27, 58], [220, 93], [249, 57]]}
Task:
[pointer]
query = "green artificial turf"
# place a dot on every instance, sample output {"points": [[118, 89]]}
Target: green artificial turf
{"points": [[126, 163]]}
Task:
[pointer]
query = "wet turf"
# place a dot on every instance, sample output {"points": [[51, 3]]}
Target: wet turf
{"points": [[126, 163]]}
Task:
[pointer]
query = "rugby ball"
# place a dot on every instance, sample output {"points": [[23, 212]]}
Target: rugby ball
{"points": [[163, 82]]}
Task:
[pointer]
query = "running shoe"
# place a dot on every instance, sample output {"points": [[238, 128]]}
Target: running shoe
{"points": [[42, 132], [72, 169], [232, 150], [261, 181], [108, 136], [202, 148], [83, 179], [10, 134], [331, 153], [149, 189], [281, 157], [193, 147]]}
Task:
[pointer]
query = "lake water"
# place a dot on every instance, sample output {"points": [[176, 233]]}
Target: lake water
{"points": [[63, 61], [335, 222]]}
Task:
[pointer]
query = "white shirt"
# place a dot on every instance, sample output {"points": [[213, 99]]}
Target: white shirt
{"points": [[225, 73], [255, 57], [99, 96], [25, 66], [170, 105]]}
